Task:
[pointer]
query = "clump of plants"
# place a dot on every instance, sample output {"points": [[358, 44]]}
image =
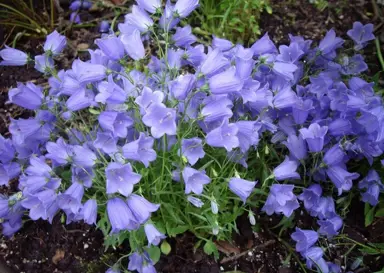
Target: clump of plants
{"points": [[237, 21], [156, 135]]}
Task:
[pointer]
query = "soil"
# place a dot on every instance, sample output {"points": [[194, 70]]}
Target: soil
{"points": [[42, 247]]}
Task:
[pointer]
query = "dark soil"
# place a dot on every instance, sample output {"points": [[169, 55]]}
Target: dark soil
{"points": [[45, 248]]}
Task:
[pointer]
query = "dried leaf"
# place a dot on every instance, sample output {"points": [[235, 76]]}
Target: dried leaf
{"points": [[59, 255], [227, 248]]}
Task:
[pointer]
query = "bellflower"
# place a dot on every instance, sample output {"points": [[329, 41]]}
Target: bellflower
{"points": [[192, 149], [330, 226], [314, 135], [115, 122], [342, 179], [184, 37], [314, 259], [55, 43], [59, 152], [222, 44], [140, 150], [148, 98], [225, 82], [224, 136], [121, 178], [311, 196], [112, 47], [324, 208], [161, 120], [44, 63], [28, 96], [153, 235], [141, 207], [7, 151], [281, 199], [361, 34], [135, 261], [287, 170], [301, 109], [241, 187], [90, 212], [83, 156], [139, 19], [330, 42], [181, 87], [304, 239], [149, 5], [217, 109], [88, 72], [263, 45], [13, 57], [297, 147], [195, 201], [104, 27], [120, 216], [184, 7], [372, 184], [194, 180], [133, 45], [248, 134], [214, 63], [105, 142], [70, 200]]}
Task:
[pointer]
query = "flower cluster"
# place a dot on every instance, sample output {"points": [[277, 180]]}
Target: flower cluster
{"points": [[141, 141], [76, 6]]}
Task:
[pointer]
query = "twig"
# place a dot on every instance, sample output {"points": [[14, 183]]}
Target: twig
{"points": [[234, 258]]}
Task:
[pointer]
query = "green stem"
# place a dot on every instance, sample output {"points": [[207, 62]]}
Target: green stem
{"points": [[379, 54]]}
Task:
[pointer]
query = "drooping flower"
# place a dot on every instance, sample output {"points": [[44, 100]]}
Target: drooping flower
{"points": [[314, 135], [297, 147], [281, 199], [225, 82], [287, 170], [140, 150], [139, 19], [184, 7], [241, 187], [224, 136], [29, 96], [13, 57], [133, 45], [192, 149], [104, 27], [324, 208], [214, 63], [181, 87], [70, 200], [161, 119], [90, 211], [194, 180], [184, 37], [304, 239], [330, 42], [148, 98], [153, 235], [115, 122], [222, 44], [314, 259], [141, 207], [341, 177], [121, 178], [44, 64], [55, 43], [120, 216], [373, 186], [248, 134], [361, 34], [112, 47], [264, 45], [149, 5], [311, 196], [330, 226]]}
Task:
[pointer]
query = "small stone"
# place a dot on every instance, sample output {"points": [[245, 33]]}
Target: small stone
{"points": [[82, 46], [86, 246]]}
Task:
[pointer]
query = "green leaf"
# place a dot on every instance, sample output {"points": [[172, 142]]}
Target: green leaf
{"points": [[154, 253], [369, 216], [269, 9], [171, 212], [173, 231], [369, 251], [210, 248], [165, 248], [94, 111]]}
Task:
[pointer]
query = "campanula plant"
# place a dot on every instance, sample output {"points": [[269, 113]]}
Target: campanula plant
{"points": [[148, 144]]}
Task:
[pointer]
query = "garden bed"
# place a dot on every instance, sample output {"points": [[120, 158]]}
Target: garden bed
{"points": [[42, 247]]}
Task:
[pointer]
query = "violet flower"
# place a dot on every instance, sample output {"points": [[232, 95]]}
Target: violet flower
{"points": [[194, 180], [192, 149], [281, 199], [13, 57], [120, 178], [361, 34], [153, 235], [241, 187]]}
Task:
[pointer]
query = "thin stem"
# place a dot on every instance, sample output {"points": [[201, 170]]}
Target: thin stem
{"points": [[379, 54]]}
